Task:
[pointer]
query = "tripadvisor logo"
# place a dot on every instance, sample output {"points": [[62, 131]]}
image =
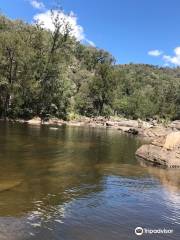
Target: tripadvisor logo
{"points": [[140, 231]]}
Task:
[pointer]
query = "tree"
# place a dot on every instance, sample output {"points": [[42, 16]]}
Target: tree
{"points": [[50, 74]]}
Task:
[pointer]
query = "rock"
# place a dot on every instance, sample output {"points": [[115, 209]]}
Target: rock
{"points": [[100, 119], [172, 140], [122, 123], [153, 154], [146, 125], [110, 124], [160, 141], [157, 131], [124, 129], [34, 121], [132, 131], [175, 124], [54, 121], [129, 123], [8, 185], [163, 151], [21, 121], [75, 124]]}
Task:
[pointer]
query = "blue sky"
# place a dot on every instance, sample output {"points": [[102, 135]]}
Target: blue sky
{"points": [[138, 31]]}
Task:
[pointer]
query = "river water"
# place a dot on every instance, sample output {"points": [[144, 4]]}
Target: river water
{"points": [[80, 183]]}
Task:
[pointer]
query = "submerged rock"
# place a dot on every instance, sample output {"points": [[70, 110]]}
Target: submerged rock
{"points": [[162, 151], [8, 185]]}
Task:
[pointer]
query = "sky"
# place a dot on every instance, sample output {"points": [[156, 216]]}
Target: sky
{"points": [[133, 31]]}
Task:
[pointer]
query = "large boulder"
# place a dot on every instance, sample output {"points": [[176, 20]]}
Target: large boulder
{"points": [[156, 132], [175, 125], [172, 141], [162, 151]]}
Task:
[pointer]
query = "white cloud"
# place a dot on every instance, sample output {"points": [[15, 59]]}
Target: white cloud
{"points": [[177, 51], [37, 4], [166, 65], [155, 53], [91, 43], [45, 19], [175, 60]]}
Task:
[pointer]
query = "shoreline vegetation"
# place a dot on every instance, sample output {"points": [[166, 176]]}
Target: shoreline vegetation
{"points": [[52, 75]]}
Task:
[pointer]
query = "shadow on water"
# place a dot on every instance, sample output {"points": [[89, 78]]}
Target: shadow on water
{"points": [[80, 183]]}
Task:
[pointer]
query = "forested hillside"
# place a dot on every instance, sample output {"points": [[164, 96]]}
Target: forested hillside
{"points": [[50, 74]]}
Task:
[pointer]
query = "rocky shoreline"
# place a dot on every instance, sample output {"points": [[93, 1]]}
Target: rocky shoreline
{"points": [[151, 130], [164, 146], [163, 151]]}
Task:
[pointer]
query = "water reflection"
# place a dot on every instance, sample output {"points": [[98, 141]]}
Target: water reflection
{"points": [[169, 178], [80, 183], [41, 162]]}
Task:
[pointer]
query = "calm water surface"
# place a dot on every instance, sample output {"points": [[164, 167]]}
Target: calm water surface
{"points": [[76, 183]]}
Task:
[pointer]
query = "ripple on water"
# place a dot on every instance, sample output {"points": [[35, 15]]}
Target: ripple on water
{"points": [[81, 184]]}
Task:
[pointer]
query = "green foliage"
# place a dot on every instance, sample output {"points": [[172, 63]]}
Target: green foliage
{"points": [[146, 91], [33, 70], [50, 74]]}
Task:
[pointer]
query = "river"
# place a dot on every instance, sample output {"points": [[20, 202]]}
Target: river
{"points": [[81, 183]]}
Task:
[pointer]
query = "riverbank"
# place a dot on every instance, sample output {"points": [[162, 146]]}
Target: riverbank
{"points": [[147, 129], [164, 139]]}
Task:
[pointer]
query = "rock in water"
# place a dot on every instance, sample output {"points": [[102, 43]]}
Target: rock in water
{"points": [[172, 140], [163, 151], [34, 121], [9, 184], [132, 131]]}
